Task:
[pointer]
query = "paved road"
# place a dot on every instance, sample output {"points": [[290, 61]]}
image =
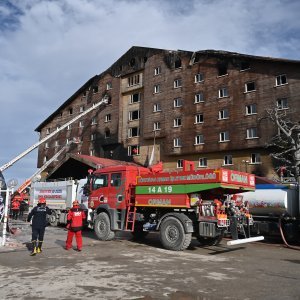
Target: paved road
{"points": [[125, 269]]}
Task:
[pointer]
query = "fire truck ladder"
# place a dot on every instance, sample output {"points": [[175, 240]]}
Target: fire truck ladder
{"points": [[131, 211], [94, 106]]}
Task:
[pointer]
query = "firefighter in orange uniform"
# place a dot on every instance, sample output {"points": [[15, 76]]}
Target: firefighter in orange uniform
{"points": [[75, 218], [15, 207]]}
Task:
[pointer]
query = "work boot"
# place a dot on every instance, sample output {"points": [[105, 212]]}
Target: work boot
{"points": [[34, 249], [39, 248]]}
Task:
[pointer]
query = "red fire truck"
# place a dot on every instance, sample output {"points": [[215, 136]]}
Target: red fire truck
{"points": [[178, 205]]}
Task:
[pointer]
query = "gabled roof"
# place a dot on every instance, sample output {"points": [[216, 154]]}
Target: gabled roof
{"points": [[77, 166]]}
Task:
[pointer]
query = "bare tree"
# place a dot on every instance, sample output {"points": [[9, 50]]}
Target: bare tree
{"points": [[286, 143]]}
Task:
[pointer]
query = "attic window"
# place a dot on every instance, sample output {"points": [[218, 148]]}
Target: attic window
{"points": [[222, 69], [177, 63], [95, 89], [245, 65], [70, 111], [132, 62]]}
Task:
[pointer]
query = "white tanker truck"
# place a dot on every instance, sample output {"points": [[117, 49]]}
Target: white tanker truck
{"points": [[275, 209]]}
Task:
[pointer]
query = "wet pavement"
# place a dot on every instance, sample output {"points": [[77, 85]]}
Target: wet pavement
{"points": [[126, 269]]}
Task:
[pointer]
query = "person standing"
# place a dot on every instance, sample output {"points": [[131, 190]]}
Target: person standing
{"points": [[39, 222], [15, 207], [75, 218]]}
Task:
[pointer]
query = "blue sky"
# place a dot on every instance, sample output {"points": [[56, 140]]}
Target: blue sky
{"points": [[49, 48]]}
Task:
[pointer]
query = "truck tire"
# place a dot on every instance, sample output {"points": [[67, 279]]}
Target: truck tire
{"points": [[52, 219], [102, 227], [139, 233], [172, 235]]}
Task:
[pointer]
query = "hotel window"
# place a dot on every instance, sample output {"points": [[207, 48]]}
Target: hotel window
{"points": [[199, 98], [224, 136], [157, 71], [199, 77], [180, 163], [135, 98], [133, 150], [255, 158], [199, 118], [95, 89], [281, 80], [245, 65], [282, 103], [250, 87], [222, 69], [107, 134], [156, 89], [81, 109], [199, 139], [134, 80], [178, 102], [251, 109], [177, 142], [134, 115], [107, 118], [156, 126], [177, 122], [109, 86], [202, 162], [156, 107], [94, 121], [252, 133], [223, 114], [133, 132], [223, 92], [177, 83], [177, 63], [227, 160]]}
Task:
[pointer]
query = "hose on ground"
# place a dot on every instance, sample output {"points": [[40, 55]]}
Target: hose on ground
{"points": [[284, 239]]}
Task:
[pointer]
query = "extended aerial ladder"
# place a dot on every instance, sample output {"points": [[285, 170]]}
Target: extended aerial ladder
{"points": [[28, 181], [103, 101]]}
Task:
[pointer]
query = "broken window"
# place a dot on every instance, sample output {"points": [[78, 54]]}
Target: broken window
{"points": [[245, 65], [222, 69], [250, 86]]}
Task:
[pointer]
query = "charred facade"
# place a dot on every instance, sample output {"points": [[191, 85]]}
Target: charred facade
{"points": [[207, 106]]}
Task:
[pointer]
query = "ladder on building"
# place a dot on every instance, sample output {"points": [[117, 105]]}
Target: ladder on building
{"points": [[131, 211]]}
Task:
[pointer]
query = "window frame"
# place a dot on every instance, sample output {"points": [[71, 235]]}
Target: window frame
{"points": [[199, 97], [177, 143], [247, 90], [252, 133], [224, 137], [199, 77], [177, 122], [177, 83], [199, 118], [278, 80], [199, 139], [282, 107], [222, 114], [226, 158], [204, 164], [250, 108], [222, 92]]}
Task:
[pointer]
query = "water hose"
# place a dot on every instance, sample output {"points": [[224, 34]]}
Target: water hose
{"points": [[283, 238]]}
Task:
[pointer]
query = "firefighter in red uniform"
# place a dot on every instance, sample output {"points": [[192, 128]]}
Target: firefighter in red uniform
{"points": [[15, 207], [75, 219]]}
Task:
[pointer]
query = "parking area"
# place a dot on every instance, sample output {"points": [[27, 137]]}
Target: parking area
{"points": [[126, 269]]}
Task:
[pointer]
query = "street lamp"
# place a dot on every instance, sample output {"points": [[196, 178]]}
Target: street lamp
{"points": [[9, 189]]}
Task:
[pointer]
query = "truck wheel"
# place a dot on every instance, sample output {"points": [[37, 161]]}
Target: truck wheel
{"points": [[53, 218], [139, 233], [172, 235], [102, 227]]}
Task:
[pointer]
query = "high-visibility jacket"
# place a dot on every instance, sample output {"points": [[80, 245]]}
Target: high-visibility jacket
{"points": [[75, 218], [15, 205]]}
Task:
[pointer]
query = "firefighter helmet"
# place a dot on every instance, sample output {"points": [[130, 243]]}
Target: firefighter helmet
{"points": [[76, 203], [42, 200]]}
